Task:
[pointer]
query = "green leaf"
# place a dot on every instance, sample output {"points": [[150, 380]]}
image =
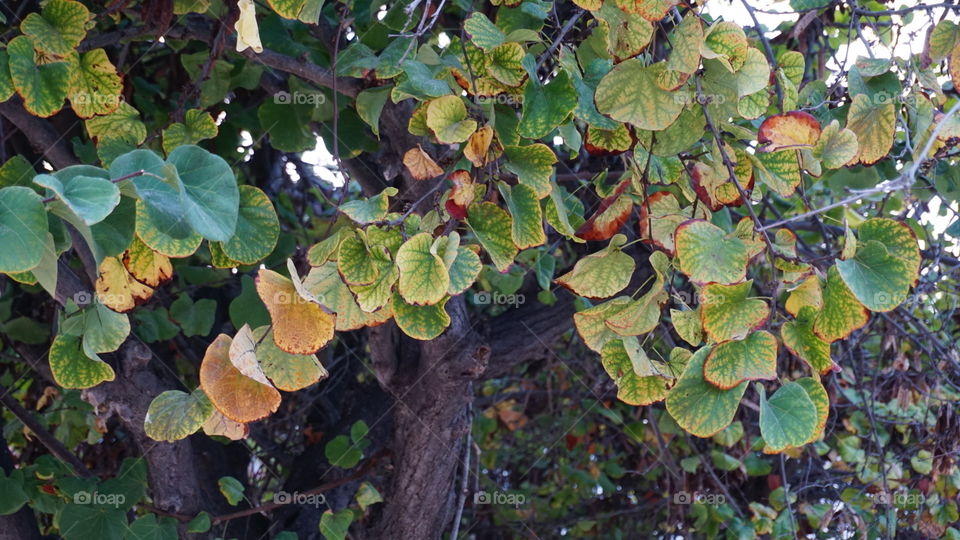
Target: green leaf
{"points": [[616, 96], [288, 126], [23, 227], [42, 85], [643, 314], [197, 126], [482, 32], [733, 362], [818, 395], [493, 226], [147, 527], [95, 85], [199, 524], [364, 211], [788, 419], [699, 407], [798, 337], [545, 106], [943, 39], [288, 372], [533, 165], [370, 104], [631, 388], [334, 525], [174, 415], [879, 280], [195, 318], [6, 83], [325, 283], [874, 125], [123, 124], [423, 276], [841, 313], [836, 147], [104, 330], [90, 198], [12, 496], [158, 234], [232, 489], [447, 118], [59, 28], [208, 192], [72, 368], [524, 207], [420, 322], [727, 312], [82, 521], [687, 38], [591, 322], [688, 325], [601, 274], [897, 237], [779, 170], [258, 228], [505, 63], [708, 255], [17, 171], [464, 270], [726, 42]]}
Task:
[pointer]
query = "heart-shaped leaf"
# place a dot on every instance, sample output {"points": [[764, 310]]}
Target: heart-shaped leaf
{"points": [[174, 415], [59, 27], [23, 226], [117, 289], [258, 228], [879, 280], [367, 309], [90, 198], [533, 165], [423, 276], [237, 396], [699, 407], [799, 338], [41, 82], [493, 228], [208, 192], [447, 118], [72, 368], [788, 419], [733, 362], [727, 312], [708, 255], [616, 93], [631, 388], [420, 322], [601, 274]]}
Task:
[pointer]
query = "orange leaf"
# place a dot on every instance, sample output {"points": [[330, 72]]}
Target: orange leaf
{"points": [[299, 325], [614, 211], [794, 129], [237, 396], [462, 194], [478, 146], [420, 164]]}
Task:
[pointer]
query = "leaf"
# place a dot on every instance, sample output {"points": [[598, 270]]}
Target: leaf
{"points": [[258, 228], [195, 318], [779, 170], [243, 355], [545, 106], [423, 277], [237, 396], [841, 313], [643, 314], [478, 150], [367, 309], [611, 215], [788, 419], [23, 227], [688, 325], [208, 192], [90, 198], [95, 85], [943, 39], [651, 10], [879, 280], [117, 289], [708, 255], [727, 313], [59, 28], [492, 227], [504, 63], [447, 119], [533, 165], [41, 82], [72, 368], [897, 237], [356, 262], [524, 207], [733, 362], [123, 124], [220, 425], [420, 322], [591, 322], [482, 32], [818, 395], [798, 337], [6, 83], [836, 147], [631, 388], [104, 330], [299, 326], [231, 488], [287, 372], [754, 77], [464, 270], [874, 125], [793, 129], [365, 211], [158, 237], [687, 40], [726, 42], [699, 407], [370, 104], [174, 415], [197, 126], [601, 274], [335, 525], [660, 215], [420, 165], [615, 96]]}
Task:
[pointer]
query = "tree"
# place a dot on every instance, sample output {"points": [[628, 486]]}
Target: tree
{"points": [[586, 268]]}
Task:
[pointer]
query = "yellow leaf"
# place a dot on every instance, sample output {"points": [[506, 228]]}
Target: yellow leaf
{"points": [[117, 289], [478, 146], [420, 164], [248, 34], [299, 326]]}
